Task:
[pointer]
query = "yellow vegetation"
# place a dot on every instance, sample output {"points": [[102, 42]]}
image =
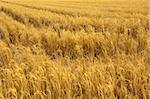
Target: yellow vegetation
{"points": [[74, 49]]}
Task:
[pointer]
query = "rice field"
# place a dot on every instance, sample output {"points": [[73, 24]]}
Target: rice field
{"points": [[74, 49]]}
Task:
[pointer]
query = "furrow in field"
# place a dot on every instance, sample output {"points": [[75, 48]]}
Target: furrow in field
{"points": [[87, 12], [16, 33], [92, 44], [60, 22], [56, 22], [90, 5], [40, 8], [16, 17]]}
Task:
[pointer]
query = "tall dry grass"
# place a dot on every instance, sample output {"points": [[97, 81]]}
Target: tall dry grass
{"points": [[73, 57]]}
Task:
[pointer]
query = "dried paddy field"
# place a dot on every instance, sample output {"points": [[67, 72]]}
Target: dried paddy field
{"points": [[74, 49]]}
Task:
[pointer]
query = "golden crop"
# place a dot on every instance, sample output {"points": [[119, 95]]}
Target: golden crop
{"points": [[74, 49]]}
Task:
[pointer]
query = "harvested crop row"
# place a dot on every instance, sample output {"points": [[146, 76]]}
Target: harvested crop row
{"points": [[74, 45], [92, 10], [59, 22]]}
